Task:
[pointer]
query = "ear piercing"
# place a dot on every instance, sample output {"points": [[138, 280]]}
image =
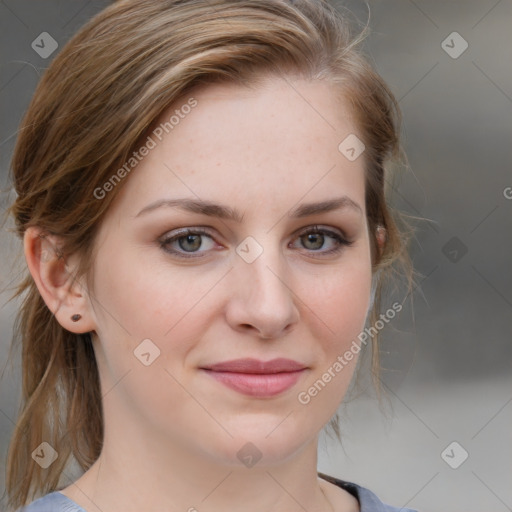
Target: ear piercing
{"points": [[76, 317]]}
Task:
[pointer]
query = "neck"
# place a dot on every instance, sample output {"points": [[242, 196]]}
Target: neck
{"points": [[153, 474]]}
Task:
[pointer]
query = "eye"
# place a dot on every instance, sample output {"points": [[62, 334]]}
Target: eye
{"points": [[187, 241], [315, 238], [194, 242]]}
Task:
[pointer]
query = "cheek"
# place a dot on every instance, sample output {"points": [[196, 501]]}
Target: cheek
{"points": [[141, 300], [349, 301], [137, 301], [147, 299], [339, 301], [339, 307]]}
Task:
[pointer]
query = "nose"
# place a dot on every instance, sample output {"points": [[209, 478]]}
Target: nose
{"points": [[262, 300]]}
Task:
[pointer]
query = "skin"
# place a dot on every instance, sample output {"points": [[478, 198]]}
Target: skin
{"points": [[172, 432]]}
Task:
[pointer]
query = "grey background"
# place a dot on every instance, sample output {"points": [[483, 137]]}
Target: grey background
{"points": [[448, 357]]}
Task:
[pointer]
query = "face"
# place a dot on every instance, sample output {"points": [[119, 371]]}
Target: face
{"points": [[245, 267]]}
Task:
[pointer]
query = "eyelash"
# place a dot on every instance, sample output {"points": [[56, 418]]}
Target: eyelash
{"points": [[340, 241]]}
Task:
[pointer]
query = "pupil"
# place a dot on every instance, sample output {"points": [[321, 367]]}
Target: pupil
{"points": [[191, 239], [315, 238]]}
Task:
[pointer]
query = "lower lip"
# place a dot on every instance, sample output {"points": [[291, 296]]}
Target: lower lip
{"points": [[259, 385]]}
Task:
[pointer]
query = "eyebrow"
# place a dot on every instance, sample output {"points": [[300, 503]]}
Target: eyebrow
{"points": [[225, 212]]}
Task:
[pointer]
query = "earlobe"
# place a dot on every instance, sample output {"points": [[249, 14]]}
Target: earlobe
{"points": [[381, 235], [54, 276]]}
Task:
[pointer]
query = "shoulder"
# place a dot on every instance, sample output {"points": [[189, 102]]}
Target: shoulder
{"points": [[368, 501], [53, 502]]}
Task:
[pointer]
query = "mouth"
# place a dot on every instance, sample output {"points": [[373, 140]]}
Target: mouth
{"points": [[256, 378]]}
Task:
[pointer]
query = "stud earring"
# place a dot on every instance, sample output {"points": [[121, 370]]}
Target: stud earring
{"points": [[76, 317]]}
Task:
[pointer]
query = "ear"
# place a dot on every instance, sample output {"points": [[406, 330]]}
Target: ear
{"points": [[54, 277], [381, 235]]}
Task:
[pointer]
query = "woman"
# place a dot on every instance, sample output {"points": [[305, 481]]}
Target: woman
{"points": [[201, 202]]}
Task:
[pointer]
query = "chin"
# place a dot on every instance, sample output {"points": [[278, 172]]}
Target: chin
{"points": [[265, 437]]}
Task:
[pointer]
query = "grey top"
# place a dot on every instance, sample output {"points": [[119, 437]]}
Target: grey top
{"points": [[368, 502]]}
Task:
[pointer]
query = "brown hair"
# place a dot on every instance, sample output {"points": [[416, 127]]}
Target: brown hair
{"points": [[99, 96]]}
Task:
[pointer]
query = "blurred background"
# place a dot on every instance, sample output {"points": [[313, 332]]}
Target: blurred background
{"points": [[441, 438]]}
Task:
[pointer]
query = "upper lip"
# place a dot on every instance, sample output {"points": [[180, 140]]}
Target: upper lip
{"points": [[256, 366]]}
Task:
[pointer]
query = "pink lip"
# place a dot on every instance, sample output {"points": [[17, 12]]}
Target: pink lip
{"points": [[257, 378]]}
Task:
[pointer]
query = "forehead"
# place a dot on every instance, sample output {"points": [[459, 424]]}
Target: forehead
{"points": [[267, 145]]}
